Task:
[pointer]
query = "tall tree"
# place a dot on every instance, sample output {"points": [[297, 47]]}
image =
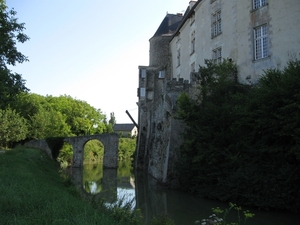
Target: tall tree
{"points": [[11, 32], [112, 119], [82, 118]]}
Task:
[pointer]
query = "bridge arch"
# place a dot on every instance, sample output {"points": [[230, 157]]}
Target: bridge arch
{"points": [[109, 141]]}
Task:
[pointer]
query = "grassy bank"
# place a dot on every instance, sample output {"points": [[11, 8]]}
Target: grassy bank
{"points": [[33, 192]]}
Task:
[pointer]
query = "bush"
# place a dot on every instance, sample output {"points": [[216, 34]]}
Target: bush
{"points": [[242, 143], [127, 147], [13, 127]]}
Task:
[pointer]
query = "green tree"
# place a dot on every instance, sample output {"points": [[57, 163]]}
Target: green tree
{"points": [[82, 118], [13, 127], [127, 147], [43, 120], [209, 136], [49, 116], [238, 134], [112, 119], [11, 32], [93, 151]]}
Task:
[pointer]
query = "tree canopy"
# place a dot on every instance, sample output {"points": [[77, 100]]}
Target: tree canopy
{"points": [[50, 116], [11, 32]]}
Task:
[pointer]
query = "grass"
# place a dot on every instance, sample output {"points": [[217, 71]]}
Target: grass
{"points": [[33, 192]]}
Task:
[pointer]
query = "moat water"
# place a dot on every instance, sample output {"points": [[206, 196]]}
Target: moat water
{"points": [[143, 192]]}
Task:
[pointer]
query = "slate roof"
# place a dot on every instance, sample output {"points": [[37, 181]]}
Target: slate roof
{"points": [[169, 25], [123, 127], [189, 11]]}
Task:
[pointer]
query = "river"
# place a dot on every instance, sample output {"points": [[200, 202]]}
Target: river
{"points": [[143, 192]]}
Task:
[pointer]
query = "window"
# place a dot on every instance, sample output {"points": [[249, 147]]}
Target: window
{"points": [[192, 18], [216, 24], [217, 55], [143, 73], [161, 74], [142, 92], [259, 3], [178, 57], [193, 42], [193, 67], [261, 49]]}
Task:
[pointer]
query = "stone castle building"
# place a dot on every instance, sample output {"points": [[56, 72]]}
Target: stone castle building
{"points": [[255, 34]]}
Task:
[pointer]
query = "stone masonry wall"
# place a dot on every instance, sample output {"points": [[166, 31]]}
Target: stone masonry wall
{"points": [[110, 142]]}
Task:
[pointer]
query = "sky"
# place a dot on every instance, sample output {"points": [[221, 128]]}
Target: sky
{"points": [[90, 49]]}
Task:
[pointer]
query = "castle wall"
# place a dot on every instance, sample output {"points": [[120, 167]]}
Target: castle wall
{"points": [[236, 40]]}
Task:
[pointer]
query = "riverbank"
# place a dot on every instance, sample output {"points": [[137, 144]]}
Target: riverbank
{"points": [[33, 192]]}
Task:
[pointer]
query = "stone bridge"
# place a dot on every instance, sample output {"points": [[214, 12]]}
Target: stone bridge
{"points": [[109, 141]]}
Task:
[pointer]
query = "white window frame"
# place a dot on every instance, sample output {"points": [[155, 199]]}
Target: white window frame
{"points": [[217, 55], [259, 3], [261, 42], [216, 23]]}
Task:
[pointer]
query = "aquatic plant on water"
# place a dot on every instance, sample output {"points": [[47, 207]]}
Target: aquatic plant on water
{"points": [[219, 216]]}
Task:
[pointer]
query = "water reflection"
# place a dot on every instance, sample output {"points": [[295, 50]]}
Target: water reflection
{"points": [[143, 192]]}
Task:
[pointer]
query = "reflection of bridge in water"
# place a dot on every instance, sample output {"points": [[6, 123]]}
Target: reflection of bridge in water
{"points": [[109, 185]]}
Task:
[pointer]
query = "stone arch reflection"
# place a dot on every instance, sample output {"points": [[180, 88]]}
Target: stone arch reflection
{"points": [[110, 185]]}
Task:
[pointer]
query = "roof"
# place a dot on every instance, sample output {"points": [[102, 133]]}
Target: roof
{"points": [[123, 127], [189, 11], [169, 25]]}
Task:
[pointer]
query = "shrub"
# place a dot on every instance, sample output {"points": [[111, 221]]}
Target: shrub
{"points": [[13, 127], [242, 143]]}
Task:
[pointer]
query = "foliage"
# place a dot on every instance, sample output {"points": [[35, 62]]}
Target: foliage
{"points": [[11, 32], [82, 118], [45, 197], [162, 220], [122, 211], [220, 216], [93, 151], [12, 127], [109, 128], [237, 135], [49, 116], [65, 155], [43, 119], [112, 119], [127, 148]]}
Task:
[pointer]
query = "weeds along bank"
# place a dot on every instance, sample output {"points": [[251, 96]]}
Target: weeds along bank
{"points": [[33, 192]]}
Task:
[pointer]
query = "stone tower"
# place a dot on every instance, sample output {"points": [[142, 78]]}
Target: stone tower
{"points": [[157, 92]]}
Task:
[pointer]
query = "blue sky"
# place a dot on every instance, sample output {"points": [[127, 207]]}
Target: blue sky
{"points": [[90, 49]]}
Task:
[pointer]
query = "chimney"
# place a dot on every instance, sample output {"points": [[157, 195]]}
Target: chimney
{"points": [[192, 3]]}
